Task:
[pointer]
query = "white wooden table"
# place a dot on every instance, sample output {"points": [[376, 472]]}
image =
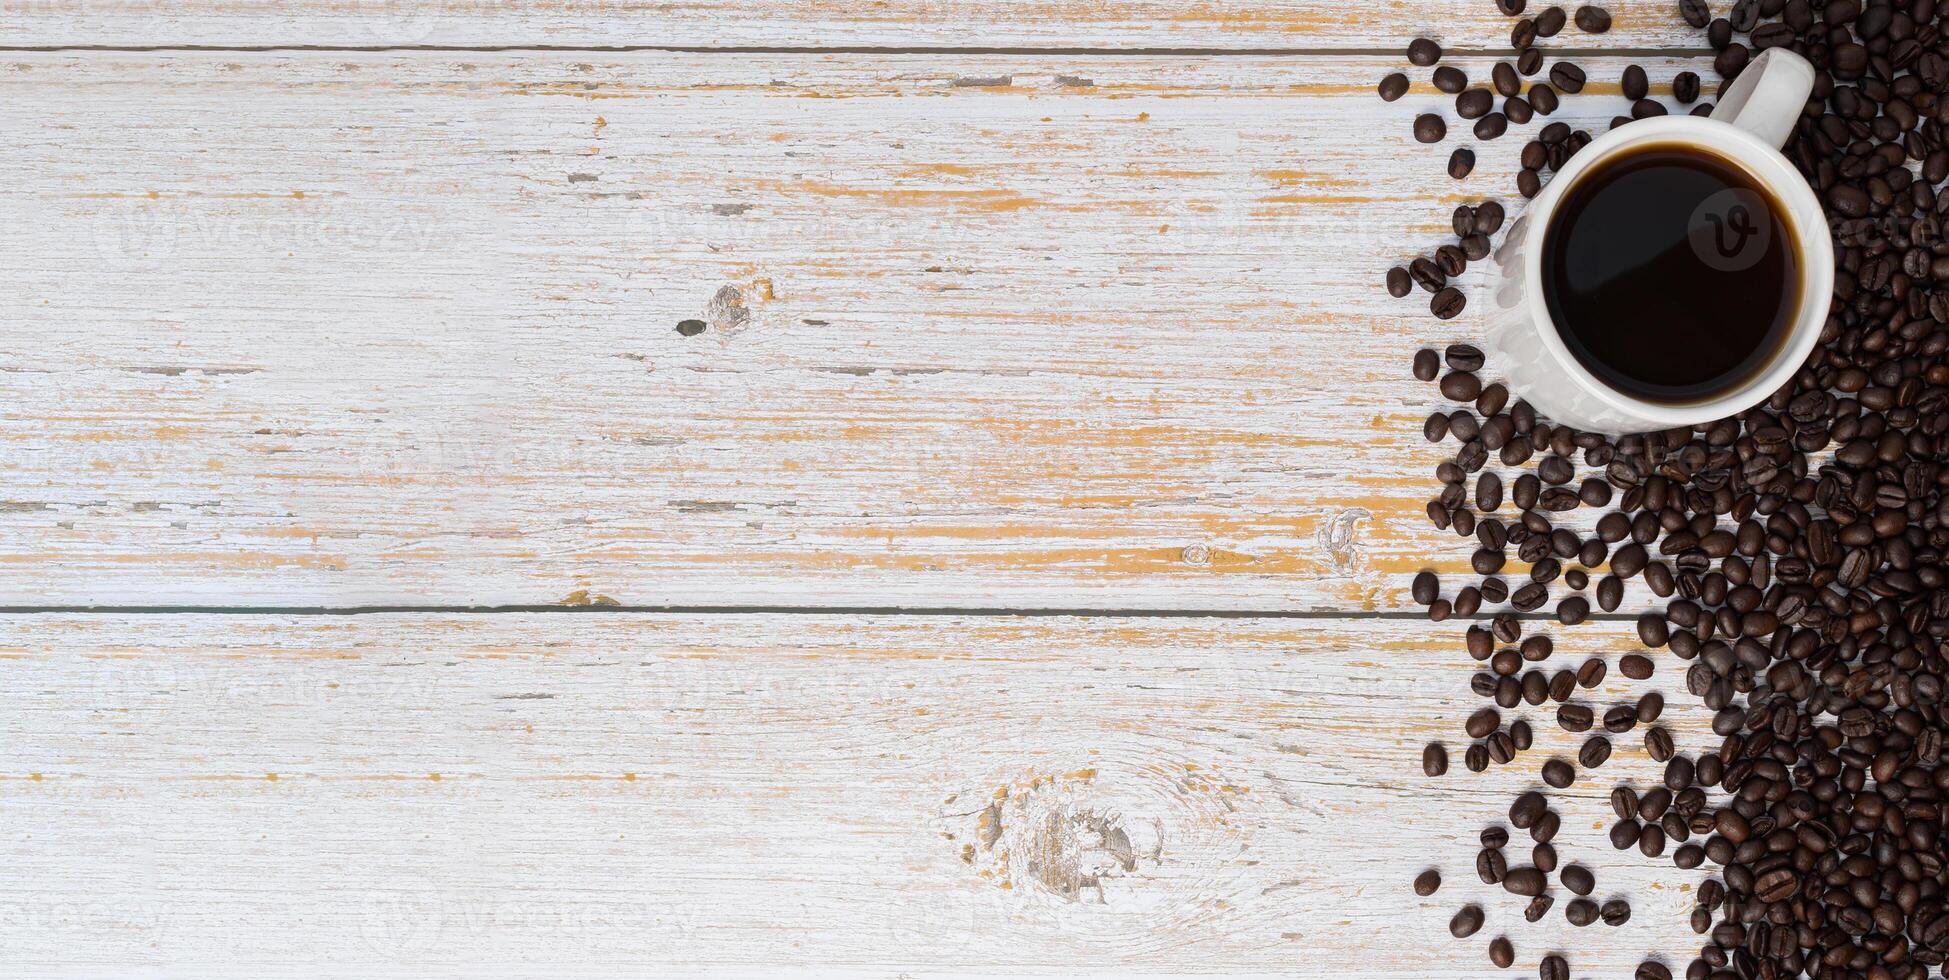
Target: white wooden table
{"points": [[1010, 578]]}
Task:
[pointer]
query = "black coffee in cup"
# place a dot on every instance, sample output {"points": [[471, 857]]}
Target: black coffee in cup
{"points": [[1670, 273]]}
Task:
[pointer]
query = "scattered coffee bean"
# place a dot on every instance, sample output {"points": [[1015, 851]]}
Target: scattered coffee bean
{"points": [[1447, 303], [1685, 87], [1596, 750], [1553, 967], [1423, 52], [1580, 912], [1460, 163], [1558, 773], [1550, 21], [1636, 85], [1566, 77], [1450, 79], [1658, 744], [1501, 953], [1393, 86], [1593, 20], [1578, 879], [1527, 882], [1615, 912], [1466, 922], [1538, 907], [1434, 759], [1429, 128]]}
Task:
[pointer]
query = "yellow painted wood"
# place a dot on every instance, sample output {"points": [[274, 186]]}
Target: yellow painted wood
{"points": [[336, 328], [638, 795]]}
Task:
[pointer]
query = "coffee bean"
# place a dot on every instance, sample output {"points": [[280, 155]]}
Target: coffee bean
{"points": [[1461, 162], [1503, 78], [1558, 773], [1646, 108], [1615, 912], [1501, 953], [1426, 588], [1510, 8], [1578, 879], [1543, 99], [1476, 757], [1543, 857], [1593, 20], [1434, 759], [1491, 126], [1527, 809], [1610, 593], [1529, 62], [1567, 77], [1474, 103], [1624, 834], [1528, 183], [1573, 610], [1429, 128], [1523, 34], [1621, 719], [1652, 970], [1482, 722], [1636, 85], [1650, 706], [1685, 87], [1529, 597], [1427, 882], [1550, 21], [1658, 744], [1516, 111], [1580, 912], [1573, 718], [1423, 52], [1527, 882], [1591, 673], [1545, 828], [1651, 842], [1447, 303], [1695, 12], [1393, 86], [1490, 866], [1624, 802], [1450, 79], [1538, 907], [1553, 967], [1466, 922], [1398, 285], [1595, 751]]}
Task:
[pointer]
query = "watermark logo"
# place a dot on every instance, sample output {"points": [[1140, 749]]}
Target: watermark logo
{"points": [[1729, 230]]}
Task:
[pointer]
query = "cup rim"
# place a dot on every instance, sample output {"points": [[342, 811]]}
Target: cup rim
{"points": [[1805, 216]]}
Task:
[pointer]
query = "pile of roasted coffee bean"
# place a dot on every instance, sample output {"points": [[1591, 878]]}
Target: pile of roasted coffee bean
{"points": [[1799, 547]]}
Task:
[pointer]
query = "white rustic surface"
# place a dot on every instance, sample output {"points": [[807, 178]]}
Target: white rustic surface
{"points": [[354, 329], [1297, 25], [1096, 326], [621, 793]]}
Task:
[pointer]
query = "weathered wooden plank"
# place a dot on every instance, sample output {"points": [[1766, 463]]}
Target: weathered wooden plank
{"points": [[328, 329], [1225, 24], [628, 794]]}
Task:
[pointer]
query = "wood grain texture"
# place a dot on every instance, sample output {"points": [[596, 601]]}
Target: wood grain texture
{"points": [[1223, 24], [635, 794], [326, 329]]}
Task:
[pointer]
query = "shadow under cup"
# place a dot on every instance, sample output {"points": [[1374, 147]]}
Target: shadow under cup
{"points": [[1671, 273]]}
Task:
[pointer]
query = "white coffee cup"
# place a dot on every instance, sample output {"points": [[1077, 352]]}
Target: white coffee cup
{"points": [[1751, 121]]}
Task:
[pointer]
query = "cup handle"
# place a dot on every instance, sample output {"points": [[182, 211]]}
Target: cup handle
{"points": [[1767, 98]]}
